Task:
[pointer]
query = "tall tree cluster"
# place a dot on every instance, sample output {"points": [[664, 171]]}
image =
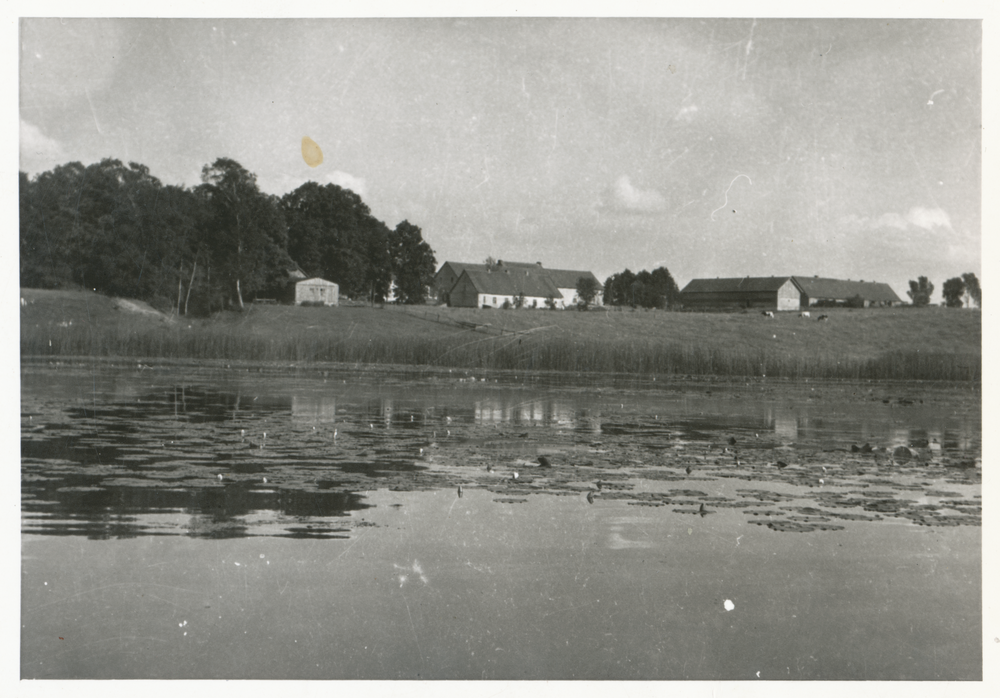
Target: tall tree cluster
{"points": [[117, 229], [111, 227], [962, 291], [655, 289], [920, 291]]}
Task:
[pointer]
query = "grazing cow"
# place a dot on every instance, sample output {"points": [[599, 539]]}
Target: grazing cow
{"points": [[767, 313], [821, 318], [804, 313]]}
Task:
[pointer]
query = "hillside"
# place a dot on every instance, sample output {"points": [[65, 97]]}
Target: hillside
{"points": [[925, 342]]}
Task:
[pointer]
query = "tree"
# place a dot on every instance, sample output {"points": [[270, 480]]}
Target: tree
{"points": [[655, 289], [586, 291], [413, 263], [619, 289], [326, 234], [491, 264], [972, 289], [332, 234], [377, 260], [247, 230], [49, 225], [920, 291], [110, 227], [952, 291], [665, 286]]}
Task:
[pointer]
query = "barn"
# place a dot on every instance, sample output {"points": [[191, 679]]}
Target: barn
{"points": [[564, 281], [317, 291], [447, 276], [491, 288], [835, 292], [768, 292], [784, 293]]}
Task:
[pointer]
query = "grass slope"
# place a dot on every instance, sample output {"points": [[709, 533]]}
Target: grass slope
{"points": [[899, 343]]}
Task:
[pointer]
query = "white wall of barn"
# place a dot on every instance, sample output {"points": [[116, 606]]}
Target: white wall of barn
{"points": [[323, 293], [497, 301], [788, 296], [574, 298]]}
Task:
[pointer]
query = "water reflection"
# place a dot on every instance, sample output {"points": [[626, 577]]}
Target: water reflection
{"points": [[786, 426], [252, 512], [314, 408], [538, 412], [256, 458]]}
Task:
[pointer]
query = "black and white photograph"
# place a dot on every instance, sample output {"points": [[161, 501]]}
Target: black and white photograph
{"points": [[501, 349]]}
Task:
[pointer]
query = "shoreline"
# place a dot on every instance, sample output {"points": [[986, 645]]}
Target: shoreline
{"points": [[506, 378], [934, 344]]}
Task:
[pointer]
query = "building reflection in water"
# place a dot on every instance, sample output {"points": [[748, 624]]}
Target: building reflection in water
{"points": [[314, 408], [547, 412], [786, 426]]}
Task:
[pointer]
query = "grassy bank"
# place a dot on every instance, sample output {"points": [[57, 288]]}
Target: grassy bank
{"points": [[884, 344]]}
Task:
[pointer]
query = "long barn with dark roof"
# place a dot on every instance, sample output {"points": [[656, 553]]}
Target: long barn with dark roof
{"points": [[784, 293], [478, 285], [817, 291]]}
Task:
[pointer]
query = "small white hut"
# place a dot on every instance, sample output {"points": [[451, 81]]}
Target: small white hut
{"points": [[317, 291]]}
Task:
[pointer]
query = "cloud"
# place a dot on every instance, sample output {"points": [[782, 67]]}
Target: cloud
{"points": [[38, 151], [928, 218], [625, 198], [918, 217], [890, 220], [349, 181], [686, 113]]}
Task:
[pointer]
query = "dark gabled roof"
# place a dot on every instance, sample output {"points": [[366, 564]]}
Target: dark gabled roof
{"points": [[459, 267], [316, 281], [746, 284], [812, 286], [294, 271], [815, 287], [566, 278], [512, 282], [561, 278]]}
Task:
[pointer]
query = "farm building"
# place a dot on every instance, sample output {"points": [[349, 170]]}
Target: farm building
{"points": [[566, 280], [490, 289], [449, 273], [832, 292], [317, 291], [770, 292], [784, 293], [526, 274]]}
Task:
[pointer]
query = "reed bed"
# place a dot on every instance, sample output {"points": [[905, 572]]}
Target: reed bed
{"points": [[648, 355]]}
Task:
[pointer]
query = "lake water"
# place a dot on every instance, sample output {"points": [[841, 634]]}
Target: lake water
{"points": [[205, 522]]}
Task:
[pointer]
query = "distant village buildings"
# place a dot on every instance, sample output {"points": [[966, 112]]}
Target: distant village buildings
{"points": [[785, 293], [317, 291], [463, 285]]}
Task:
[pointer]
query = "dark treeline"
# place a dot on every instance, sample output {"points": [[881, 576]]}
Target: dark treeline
{"points": [[120, 231], [647, 289]]}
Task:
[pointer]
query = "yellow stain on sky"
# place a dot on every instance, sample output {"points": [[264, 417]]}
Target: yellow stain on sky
{"points": [[311, 152]]}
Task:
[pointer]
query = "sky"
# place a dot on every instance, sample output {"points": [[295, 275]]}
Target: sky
{"points": [[714, 147]]}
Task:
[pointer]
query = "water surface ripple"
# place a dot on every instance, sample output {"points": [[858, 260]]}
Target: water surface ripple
{"points": [[637, 479]]}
